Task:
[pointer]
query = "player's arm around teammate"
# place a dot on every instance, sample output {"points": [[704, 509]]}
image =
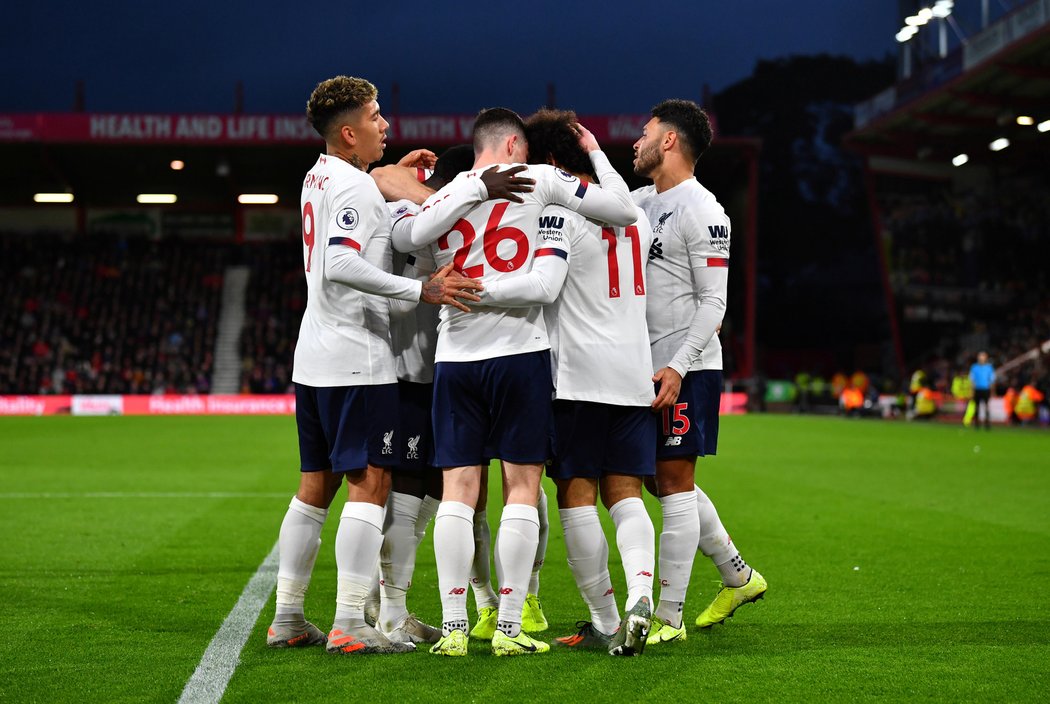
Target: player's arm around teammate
{"points": [[610, 203], [346, 403]]}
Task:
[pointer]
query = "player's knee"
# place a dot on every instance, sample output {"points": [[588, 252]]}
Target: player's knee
{"points": [[576, 492]]}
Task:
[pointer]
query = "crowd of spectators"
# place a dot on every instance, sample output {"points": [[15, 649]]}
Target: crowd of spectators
{"points": [[988, 239], [275, 302], [969, 273], [105, 314]]}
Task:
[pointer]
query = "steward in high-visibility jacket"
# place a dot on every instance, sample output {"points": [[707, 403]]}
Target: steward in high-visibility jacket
{"points": [[851, 400], [1027, 403], [962, 389]]}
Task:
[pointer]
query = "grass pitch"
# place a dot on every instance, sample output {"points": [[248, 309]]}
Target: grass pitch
{"points": [[905, 562]]}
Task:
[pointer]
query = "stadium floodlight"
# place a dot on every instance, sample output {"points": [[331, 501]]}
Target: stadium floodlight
{"points": [[1026, 120], [925, 14], [960, 159], [941, 11], [156, 198], [914, 21], [257, 198], [906, 33], [1043, 126], [999, 144], [52, 197], [178, 165]]}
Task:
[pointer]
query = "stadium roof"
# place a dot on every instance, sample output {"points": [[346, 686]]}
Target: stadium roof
{"points": [[106, 160], [964, 102]]}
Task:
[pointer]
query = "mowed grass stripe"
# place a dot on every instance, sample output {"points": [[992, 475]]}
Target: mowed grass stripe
{"points": [[123, 597], [216, 667]]}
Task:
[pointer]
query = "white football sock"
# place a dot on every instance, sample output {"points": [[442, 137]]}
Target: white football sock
{"points": [[374, 598], [678, 542], [300, 541], [397, 558], [541, 546], [357, 544], [481, 568], [454, 551], [716, 544], [427, 511], [588, 555], [519, 528], [636, 540]]}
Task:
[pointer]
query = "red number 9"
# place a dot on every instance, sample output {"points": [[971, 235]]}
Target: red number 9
{"points": [[308, 232]]}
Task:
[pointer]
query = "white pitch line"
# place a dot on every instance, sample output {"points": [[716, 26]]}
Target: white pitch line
{"points": [[142, 495], [223, 655]]}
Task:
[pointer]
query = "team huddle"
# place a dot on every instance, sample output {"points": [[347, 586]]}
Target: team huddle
{"points": [[543, 315]]}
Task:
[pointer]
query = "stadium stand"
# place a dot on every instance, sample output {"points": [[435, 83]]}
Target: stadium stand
{"points": [[107, 314], [954, 157], [965, 265], [275, 303]]}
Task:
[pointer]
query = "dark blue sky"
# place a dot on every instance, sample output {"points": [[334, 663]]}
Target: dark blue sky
{"points": [[448, 57]]}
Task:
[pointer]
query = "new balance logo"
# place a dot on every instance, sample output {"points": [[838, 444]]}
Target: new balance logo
{"points": [[457, 591], [718, 231], [505, 590], [645, 574], [656, 250], [388, 442], [413, 451], [551, 222], [673, 441], [609, 591]]}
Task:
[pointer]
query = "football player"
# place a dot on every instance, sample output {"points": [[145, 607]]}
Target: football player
{"points": [[346, 391], [605, 428], [688, 276], [493, 367]]}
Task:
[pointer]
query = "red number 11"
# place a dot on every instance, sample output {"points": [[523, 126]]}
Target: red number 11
{"points": [[609, 235]]}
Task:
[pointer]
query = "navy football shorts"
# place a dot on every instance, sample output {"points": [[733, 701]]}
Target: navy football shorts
{"points": [[415, 448], [492, 408], [690, 427], [594, 439], [344, 428]]}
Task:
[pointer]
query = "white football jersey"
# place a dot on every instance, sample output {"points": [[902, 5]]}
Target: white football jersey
{"points": [[712, 356], [413, 334], [597, 327], [690, 230], [498, 239], [344, 339]]}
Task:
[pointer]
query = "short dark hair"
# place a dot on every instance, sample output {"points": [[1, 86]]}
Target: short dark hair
{"points": [[453, 161], [690, 121], [335, 97], [495, 123], [552, 139]]}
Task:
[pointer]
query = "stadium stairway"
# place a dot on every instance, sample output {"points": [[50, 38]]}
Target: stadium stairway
{"points": [[227, 377]]}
